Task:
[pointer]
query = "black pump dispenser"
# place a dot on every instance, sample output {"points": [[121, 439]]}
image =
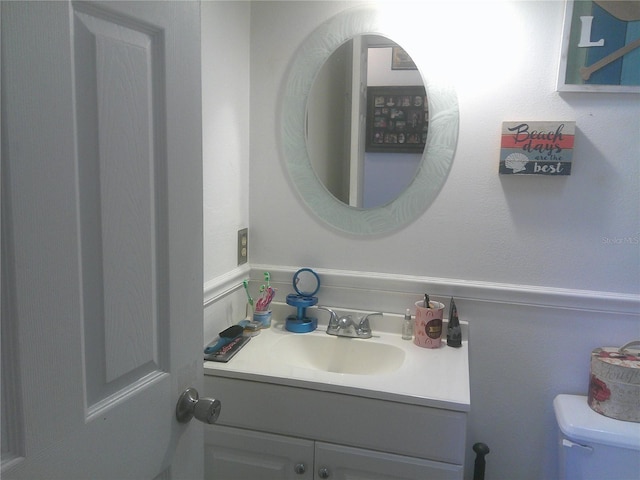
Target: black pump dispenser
{"points": [[454, 332]]}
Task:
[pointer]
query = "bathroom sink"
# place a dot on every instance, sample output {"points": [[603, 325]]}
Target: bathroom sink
{"points": [[337, 354]]}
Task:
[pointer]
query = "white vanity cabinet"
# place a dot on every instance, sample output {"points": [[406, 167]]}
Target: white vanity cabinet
{"points": [[273, 431], [233, 453]]}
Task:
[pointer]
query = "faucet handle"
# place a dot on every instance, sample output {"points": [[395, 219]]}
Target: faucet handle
{"points": [[333, 319], [364, 328]]}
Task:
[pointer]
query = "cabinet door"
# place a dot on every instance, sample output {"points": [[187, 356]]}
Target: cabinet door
{"points": [[337, 462], [232, 453]]}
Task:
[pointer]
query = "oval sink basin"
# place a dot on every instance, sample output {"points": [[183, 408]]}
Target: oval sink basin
{"points": [[338, 354]]}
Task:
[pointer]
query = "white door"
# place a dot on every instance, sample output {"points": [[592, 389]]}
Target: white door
{"points": [[101, 239]]}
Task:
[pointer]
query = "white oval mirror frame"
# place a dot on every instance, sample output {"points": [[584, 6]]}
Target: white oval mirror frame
{"points": [[439, 151]]}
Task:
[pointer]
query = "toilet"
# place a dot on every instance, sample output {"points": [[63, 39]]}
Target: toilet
{"points": [[593, 446]]}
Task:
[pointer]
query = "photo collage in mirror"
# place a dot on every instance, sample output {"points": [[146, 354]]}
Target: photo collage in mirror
{"points": [[397, 119]]}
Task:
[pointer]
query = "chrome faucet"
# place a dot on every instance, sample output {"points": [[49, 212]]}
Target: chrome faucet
{"points": [[346, 327]]}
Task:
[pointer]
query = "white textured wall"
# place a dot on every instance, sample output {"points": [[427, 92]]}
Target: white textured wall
{"points": [[507, 235], [505, 247], [568, 232], [225, 131]]}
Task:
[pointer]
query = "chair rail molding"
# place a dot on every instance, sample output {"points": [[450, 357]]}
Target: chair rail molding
{"points": [[342, 285]]}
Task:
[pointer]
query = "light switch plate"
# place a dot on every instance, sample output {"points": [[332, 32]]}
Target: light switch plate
{"points": [[243, 246]]}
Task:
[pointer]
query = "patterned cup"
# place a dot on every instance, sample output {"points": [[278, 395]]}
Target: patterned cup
{"points": [[427, 328]]}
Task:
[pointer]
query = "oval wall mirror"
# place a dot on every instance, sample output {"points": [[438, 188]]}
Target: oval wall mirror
{"points": [[346, 210]]}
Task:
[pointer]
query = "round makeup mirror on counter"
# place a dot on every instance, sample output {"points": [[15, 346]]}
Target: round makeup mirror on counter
{"points": [[306, 284]]}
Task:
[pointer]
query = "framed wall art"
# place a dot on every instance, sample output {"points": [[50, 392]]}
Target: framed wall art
{"points": [[397, 119], [537, 148], [600, 46]]}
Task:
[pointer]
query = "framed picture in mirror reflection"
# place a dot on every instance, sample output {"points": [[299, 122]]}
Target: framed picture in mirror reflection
{"points": [[397, 119], [400, 60]]}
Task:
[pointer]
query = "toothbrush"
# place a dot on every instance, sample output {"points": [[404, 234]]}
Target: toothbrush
{"points": [[267, 294], [245, 283], [265, 300]]}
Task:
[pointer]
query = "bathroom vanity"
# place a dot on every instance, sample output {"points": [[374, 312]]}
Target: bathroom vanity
{"points": [[309, 406]]}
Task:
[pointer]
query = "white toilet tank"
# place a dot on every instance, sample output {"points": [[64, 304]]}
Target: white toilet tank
{"points": [[595, 447]]}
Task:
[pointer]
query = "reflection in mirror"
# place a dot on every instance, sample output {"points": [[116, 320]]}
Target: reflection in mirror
{"points": [[442, 133], [358, 164]]}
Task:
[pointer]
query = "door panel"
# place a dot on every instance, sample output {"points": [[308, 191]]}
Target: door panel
{"points": [[102, 237], [120, 115]]}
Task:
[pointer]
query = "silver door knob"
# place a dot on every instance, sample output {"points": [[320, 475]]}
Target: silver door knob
{"points": [[300, 468], [190, 405]]}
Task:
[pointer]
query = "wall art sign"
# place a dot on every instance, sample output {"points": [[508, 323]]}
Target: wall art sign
{"points": [[397, 119], [536, 148], [600, 46]]}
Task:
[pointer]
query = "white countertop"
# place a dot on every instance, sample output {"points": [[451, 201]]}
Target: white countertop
{"points": [[429, 377]]}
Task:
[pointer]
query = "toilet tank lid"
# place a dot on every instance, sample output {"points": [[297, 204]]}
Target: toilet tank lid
{"points": [[579, 423]]}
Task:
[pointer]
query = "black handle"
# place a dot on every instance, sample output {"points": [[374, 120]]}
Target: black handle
{"points": [[481, 450]]}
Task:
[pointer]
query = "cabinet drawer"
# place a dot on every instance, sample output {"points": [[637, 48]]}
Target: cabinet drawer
{"points": [[234, 454], [400, 428], [348, 463]]}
